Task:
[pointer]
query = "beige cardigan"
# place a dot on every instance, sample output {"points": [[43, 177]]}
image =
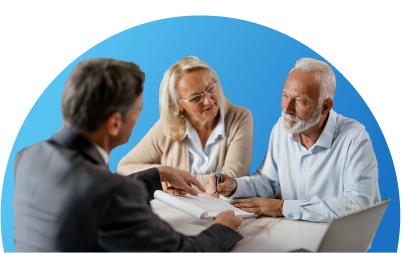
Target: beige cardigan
{"points": [[235, 149]]}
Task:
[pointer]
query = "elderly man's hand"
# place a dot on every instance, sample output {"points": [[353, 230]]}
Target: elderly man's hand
{"points": [[270, 207], [179, 181], [226, 186]]}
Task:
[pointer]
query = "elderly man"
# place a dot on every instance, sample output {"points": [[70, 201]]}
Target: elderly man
{"points": [[66, 198], [321, 163]]}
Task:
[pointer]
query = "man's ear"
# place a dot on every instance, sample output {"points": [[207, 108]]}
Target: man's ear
{"points": [[114, 123], [327, 106]]}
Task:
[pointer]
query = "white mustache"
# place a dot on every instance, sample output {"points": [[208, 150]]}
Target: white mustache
{"points": [[292, 117]]}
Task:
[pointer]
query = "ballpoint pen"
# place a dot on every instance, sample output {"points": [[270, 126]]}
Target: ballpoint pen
{"points": [[217, 179]]}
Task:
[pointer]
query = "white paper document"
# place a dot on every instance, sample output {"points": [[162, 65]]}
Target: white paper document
{"points": [[201, 207]]}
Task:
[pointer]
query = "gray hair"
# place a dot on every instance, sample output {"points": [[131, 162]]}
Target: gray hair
{"points": [[175, 126], [98, 87], [324, 76]]}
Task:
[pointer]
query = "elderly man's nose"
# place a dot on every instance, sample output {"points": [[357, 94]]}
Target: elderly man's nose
{"points": [[288, 107]]}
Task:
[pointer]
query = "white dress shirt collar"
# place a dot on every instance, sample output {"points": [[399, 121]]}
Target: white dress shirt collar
{"points": [[102, 152], [204, 160], [326, 137]]}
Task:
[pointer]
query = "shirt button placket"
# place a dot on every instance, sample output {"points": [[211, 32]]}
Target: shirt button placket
{"points": [[302, 180]]}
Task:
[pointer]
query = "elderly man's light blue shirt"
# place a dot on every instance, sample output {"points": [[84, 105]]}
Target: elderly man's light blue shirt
{"points": [[335, 176]]}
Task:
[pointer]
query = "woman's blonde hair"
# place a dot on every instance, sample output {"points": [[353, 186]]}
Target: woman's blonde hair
{"points": [[176, 126]]}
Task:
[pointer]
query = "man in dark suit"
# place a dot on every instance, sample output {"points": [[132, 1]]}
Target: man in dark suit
{"points": [[66, 198]]}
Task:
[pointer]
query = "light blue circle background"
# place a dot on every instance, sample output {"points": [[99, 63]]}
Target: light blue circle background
{"points": [[252, 62]]}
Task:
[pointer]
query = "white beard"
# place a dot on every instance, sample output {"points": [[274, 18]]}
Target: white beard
{"points": [[301, 125]]}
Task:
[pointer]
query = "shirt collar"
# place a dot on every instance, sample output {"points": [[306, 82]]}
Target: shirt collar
{"points": [[219, 130], [326, 137], [102, 152]]}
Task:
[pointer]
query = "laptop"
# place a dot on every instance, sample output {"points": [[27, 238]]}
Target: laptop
{"points": [[353, 232]]}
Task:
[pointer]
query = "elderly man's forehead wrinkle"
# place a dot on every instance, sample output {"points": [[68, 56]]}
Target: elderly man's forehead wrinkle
{"points": [[291, 87], [303, 84]]}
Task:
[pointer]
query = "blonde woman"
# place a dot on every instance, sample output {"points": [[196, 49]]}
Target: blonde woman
{"points": [[198, 128]]}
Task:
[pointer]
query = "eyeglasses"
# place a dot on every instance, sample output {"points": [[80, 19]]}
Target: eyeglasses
{"points": [[199, 98]]}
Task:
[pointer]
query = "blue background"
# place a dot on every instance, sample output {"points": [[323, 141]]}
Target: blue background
{"points": [[252, 62]]}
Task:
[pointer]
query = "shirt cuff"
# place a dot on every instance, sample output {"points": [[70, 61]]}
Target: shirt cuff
{"points": [[240, 190], [291, 209]]}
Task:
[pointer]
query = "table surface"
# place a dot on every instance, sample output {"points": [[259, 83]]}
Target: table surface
{"points": [[260, 234]]}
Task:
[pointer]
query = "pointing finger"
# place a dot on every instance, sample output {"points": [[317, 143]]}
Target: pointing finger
{"points": [[198, 185], [190, 190]]}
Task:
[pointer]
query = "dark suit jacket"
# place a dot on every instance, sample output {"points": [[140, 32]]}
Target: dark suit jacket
{"points": [[66, 199]]}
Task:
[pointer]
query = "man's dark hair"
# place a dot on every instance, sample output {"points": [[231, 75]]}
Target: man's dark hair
{"points": [[98, 87]]}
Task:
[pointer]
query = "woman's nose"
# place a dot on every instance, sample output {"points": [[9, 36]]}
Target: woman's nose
{"points": [[207, 100]]}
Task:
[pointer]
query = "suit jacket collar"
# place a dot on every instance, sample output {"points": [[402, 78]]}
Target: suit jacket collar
{"points": [[73, 140]]}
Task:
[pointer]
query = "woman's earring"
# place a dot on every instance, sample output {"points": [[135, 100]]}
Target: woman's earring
{"points": [[182, 116]]}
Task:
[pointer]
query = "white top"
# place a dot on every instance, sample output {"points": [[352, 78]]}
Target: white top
{"points": [[102, 152], [205, 161], [335, 176]]}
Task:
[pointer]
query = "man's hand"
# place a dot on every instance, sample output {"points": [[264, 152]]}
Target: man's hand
{"points": [[165, 185], [226, 186], [179, 181], [228, 219], [270, 207], [170, 189]]}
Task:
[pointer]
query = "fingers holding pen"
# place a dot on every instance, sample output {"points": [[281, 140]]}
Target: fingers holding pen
{"points": [[211, 185], [226, 186]]}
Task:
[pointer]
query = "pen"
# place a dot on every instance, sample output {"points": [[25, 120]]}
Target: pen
{"points": [[217, 179]]}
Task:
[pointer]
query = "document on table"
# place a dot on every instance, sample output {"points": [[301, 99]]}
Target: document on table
{"points": [[201, 207]]}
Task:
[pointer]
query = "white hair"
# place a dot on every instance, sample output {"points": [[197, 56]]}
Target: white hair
{"points": [[175, 126], [324, 76]]}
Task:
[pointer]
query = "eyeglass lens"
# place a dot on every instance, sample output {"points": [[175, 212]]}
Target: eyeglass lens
{"points": [[199, 98]]}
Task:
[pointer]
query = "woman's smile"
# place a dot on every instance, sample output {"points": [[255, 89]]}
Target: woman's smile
{"points": [[209, 108]]}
